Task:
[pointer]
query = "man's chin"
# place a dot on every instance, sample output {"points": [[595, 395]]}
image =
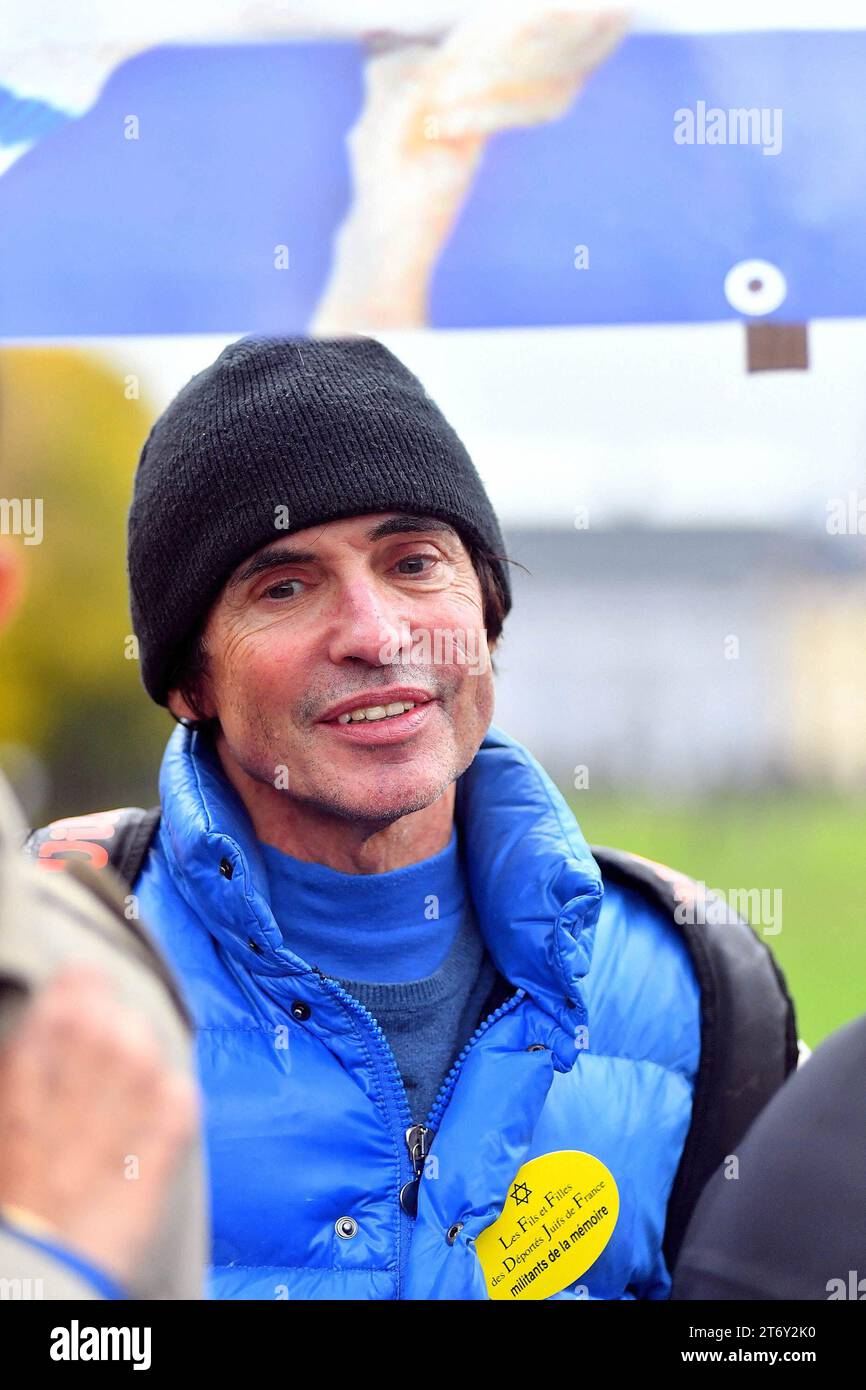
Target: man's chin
{"points": [[385, 806], [380, 798]]}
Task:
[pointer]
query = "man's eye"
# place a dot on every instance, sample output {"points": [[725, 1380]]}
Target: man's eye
{"points": [[417, 560], [281, 590]]}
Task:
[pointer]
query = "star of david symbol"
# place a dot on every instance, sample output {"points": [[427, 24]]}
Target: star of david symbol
{"points": [[518, 1189]]}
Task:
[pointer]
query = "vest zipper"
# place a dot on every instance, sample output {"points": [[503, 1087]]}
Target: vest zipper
{"points": [[401, 1120], [444, 1095], [416, 1138]]}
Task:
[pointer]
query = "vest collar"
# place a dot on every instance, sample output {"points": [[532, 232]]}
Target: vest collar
{"points": [[535, 886]]}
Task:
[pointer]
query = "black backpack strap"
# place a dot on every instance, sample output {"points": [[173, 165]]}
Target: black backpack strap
{"points": [[748, 1027], [120, 838], [131, 850]]}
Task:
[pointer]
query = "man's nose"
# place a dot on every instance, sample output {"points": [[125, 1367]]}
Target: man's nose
{"points": [[367, 625]]}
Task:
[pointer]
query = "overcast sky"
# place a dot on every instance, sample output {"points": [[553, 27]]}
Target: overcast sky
{"points": [[659, 423]]}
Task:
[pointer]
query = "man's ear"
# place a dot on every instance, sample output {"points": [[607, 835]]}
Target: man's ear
{"points": [[180, 707]]}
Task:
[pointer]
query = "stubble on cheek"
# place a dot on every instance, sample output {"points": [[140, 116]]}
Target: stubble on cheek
{"points": [[259, 743]]}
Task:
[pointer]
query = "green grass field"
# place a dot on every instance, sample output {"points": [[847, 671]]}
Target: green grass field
{"points": [[812, 848]]}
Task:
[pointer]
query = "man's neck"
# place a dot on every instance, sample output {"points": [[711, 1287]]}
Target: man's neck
{"points": [[316, 836]]}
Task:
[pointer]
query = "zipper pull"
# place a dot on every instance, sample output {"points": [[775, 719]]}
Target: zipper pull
{"points": [[418, 1141]]}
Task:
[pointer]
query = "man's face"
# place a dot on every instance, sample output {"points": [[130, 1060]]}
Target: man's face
{"points": [[371, 612]]}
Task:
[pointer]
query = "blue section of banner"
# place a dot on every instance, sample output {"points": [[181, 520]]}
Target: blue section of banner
{"points": [[664, 222], [25, 118], [242, 150]]}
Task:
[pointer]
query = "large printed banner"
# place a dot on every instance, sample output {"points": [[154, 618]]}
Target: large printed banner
{"points": [[512, 170]]}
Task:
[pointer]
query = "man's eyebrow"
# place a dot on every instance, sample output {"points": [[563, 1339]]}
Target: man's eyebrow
{"points": [[394, 525], [270, 559], [281, 554]]}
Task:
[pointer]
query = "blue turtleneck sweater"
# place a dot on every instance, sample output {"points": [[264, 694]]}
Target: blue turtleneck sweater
{"points": [[405, 943]]}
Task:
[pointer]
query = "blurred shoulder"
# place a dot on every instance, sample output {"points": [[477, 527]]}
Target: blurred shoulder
{"points": [[56, 911]]}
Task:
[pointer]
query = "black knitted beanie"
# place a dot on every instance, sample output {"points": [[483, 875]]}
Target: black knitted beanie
{"points": [[323, 428]]}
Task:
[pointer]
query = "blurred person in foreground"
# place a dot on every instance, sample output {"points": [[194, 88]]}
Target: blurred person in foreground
{"points": [[409, 974], [100, 1158], [790, 1221]]}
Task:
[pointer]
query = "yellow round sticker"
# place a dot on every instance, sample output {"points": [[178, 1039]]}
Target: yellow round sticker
{"points": [[558, 1217]]}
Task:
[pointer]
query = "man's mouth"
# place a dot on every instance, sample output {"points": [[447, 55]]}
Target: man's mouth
{"points": [[373, 712], [373, 705], [364, 720]]}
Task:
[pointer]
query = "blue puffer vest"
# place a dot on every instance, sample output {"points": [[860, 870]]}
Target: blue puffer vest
{"points": [[306, 1115]]}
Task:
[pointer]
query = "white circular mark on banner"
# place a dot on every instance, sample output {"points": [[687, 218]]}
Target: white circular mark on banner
{"points": [[755, 287]]}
